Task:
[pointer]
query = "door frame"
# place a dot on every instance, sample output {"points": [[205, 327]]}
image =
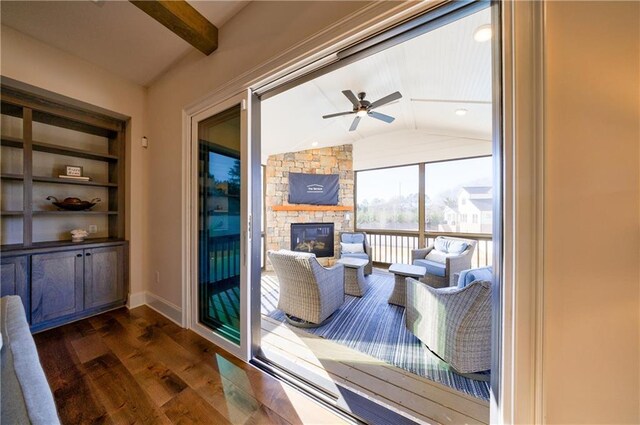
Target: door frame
{"points": [[520, 399], [190, 291]]}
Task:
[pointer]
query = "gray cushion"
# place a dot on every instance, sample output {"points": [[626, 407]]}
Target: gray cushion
{"points": [[471, 275], [352, 238], [351, 247], [433, 267], [26, 396], [362, 255], [451, 246]]}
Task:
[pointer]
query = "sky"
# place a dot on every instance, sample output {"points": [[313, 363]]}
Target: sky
{"points": [[220, 165], [440, 178]]}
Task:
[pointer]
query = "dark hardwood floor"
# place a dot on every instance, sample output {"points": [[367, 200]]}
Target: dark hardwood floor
{"points": [[135, 366]]}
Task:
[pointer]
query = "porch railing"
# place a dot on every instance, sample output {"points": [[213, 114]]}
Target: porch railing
{"points": [[394, 246]]}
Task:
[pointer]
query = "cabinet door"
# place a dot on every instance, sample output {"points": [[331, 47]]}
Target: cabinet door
{"points": [[56, 285], [103, 276], [15, 279]]}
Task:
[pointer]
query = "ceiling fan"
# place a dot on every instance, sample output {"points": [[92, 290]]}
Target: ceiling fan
{"points": [[363, 108]]}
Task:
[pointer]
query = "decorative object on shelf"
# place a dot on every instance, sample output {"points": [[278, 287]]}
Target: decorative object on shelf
{"points": [[73, 204], [73, 172], [78, 235]]}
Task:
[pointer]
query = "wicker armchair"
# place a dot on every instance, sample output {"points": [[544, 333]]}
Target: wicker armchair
{"points": [[454, 323], [309, 292], [357, 237], [442, 265]]}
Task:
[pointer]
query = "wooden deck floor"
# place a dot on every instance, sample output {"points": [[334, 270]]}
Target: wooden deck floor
{"points": [[328, 363], [138, 367]]}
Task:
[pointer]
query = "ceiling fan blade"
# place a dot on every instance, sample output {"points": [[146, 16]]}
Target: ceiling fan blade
{"points": [[338, 114], [352, 98], [354, 124], [381, 117], [385, 100]]}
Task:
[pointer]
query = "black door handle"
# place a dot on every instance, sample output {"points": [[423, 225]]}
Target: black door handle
{"points": [[79, 255], [88, 254]]}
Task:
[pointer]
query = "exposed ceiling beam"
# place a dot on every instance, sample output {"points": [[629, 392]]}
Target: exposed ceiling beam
{"points": [[185, 21]]}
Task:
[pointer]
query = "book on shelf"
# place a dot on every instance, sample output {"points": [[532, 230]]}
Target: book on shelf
{"points": [[83, 178]]}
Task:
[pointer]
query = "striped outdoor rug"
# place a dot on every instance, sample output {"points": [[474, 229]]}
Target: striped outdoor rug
{"points": [[372, 326]]}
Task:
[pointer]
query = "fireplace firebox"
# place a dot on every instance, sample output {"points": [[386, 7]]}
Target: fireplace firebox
{"points": [[313, 237]]}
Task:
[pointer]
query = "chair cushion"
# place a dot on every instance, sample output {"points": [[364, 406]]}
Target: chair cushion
{"points": [[433, 267], [438, 256], [362, 255], [450, 246], [351, 247], [352, 238], [469, 276]]}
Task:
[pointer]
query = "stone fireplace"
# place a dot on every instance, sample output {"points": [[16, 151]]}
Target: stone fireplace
{"points": [[280, 215], [316, 238]]}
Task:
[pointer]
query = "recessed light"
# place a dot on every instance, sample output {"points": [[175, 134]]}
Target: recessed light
{"points": [[461, 112], [314, 144], [483, 33]]}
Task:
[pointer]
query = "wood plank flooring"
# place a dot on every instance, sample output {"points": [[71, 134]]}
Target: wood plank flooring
{"points": [[135, 366]]}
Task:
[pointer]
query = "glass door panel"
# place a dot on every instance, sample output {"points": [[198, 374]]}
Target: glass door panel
{"points": [[219, 223]]}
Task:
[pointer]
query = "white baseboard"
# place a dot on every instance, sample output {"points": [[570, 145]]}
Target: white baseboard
{"points": [[157, 303], [136, 300]]}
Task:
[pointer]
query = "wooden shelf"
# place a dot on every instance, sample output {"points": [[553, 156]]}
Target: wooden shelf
{"points": [[57, 244], [12, 142], [58, 180], [11, 213], [78, 153], [57, 212], [304, 207], [59, 150], [7, 176]]}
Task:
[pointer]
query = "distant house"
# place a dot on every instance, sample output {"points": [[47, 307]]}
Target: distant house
{"points": [[473, 214]]}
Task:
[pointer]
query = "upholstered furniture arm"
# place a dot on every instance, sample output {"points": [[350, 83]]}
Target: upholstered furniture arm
{"points": [[420, 254], [454, 323]]}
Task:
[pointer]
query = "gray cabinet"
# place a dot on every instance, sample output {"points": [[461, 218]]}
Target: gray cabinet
{"points": [[15, 277], [59, 284], [103, 276], [56, 285]]}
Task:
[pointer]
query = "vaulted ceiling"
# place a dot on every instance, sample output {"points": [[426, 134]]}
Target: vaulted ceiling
{"points": [[114, 35], [437, 73]]}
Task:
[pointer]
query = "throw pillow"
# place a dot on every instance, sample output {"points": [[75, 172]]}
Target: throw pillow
{"points": [[437, 256], [351, 248], [457, 247]]}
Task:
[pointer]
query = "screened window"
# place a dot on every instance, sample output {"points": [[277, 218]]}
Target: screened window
{"points": [[388, 198], [457, 193]]}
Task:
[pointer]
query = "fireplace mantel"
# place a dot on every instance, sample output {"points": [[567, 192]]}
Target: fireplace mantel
{"points": [[305, 207]]}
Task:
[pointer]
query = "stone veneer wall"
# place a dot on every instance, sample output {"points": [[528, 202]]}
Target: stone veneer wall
{"points": [[332, 160]]}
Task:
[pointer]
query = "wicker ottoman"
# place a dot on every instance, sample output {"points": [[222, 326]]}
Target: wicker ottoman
{"points": [[354, 281]]}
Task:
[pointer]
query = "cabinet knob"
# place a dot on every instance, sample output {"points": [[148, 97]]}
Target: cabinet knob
{"points": [[88, 254], [79, 255]]}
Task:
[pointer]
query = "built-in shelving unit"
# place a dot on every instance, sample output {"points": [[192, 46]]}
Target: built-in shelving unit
{"points": [[59, 280], [39, 137]]}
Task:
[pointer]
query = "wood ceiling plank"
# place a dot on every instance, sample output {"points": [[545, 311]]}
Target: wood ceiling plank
{"points": [[183, 20]]}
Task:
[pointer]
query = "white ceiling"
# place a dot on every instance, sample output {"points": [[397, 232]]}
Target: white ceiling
{"points": [[445, 64], [115, 35]]}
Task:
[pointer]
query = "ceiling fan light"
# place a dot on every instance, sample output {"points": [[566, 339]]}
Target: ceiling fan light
{"points": [[483, 33], [361, 113], [461, 112]]}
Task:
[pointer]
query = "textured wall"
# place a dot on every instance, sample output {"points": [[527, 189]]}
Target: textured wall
{"points": [[333, 160]]}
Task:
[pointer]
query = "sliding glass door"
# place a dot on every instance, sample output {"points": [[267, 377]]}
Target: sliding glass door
{"points": [[222, 220]]}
